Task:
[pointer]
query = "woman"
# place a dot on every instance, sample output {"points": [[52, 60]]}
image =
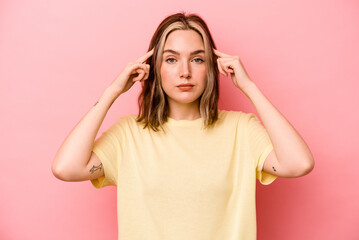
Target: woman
{"points": [[184, 169]]}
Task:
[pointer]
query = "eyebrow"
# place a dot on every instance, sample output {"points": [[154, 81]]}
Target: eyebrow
{"points": [[177, 53]]}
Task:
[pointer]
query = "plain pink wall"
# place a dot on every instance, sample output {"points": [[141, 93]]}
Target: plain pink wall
{"points": [[57, 57]]}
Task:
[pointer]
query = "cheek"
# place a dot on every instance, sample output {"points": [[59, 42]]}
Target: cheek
{"points": [[200, 70], [167, 76], [203, 76], [163, 73], [204, 72]]}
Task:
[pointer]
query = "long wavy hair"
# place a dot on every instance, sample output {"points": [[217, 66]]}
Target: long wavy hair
{"points": [[152, 102]]}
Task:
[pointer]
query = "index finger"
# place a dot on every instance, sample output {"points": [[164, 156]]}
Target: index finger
{"points": [[219, 54], [144, 57]]}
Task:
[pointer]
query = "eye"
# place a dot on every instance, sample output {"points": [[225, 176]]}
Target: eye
{"points": [[198, 60], [170, 60]]}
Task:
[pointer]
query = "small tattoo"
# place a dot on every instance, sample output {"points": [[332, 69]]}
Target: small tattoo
{"points": [[274, 169], [94, 168], [95, 103]]}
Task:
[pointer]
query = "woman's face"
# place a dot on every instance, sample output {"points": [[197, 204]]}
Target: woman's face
{"points": [[183, 70]]}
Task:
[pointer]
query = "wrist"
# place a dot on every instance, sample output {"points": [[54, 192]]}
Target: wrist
{"points": [[107, 98], [111, 93], [250, 89]]}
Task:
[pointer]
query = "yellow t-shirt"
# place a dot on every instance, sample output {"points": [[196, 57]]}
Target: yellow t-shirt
{"points": [[187, 182]]}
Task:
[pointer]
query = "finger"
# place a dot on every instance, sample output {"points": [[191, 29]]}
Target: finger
{"points": [[220, 54], [232, 61], [146, 56], [228, 69], [146, 75], [135, 66], [227, 59], [228, 66], [220, 68], [141, 74]]}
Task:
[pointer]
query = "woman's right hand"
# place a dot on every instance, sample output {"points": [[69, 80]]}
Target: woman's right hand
{"points": [[133, 72]]}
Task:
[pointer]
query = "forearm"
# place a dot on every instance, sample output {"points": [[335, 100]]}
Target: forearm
{"points": [[291, 150], [75, 151]]}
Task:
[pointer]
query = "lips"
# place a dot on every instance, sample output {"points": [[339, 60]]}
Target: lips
{"points": [[185, 86]]}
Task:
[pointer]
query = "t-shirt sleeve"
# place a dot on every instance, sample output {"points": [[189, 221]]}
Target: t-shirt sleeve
{"points": [[108, 148], [260, 147]]}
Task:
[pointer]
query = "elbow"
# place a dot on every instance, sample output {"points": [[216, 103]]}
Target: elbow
{"points": [[299, 169], [309, 166], [67, 172], [59, 172], [306, 167]]}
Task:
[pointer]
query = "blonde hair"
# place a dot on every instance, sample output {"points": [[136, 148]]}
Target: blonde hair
{"points": [[153, 105]]}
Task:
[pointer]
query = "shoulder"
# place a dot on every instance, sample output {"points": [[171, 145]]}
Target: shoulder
{"points": [[124, 122], [238, 115], [130, 119]]}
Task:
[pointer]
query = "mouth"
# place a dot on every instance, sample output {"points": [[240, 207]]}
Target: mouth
{"points": [[185, 87]]}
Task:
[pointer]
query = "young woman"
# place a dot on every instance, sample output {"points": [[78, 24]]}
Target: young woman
{"points": [[184, 169]]}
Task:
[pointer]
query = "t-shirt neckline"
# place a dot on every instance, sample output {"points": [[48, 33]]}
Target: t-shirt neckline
{"points": [[174, 122]]}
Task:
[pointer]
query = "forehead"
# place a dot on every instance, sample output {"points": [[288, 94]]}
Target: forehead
{"points": [[184, 41]]}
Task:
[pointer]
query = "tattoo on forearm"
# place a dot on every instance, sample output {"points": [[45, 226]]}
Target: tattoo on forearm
{"points": [[274, 169], [94, 168], [108, 107]]}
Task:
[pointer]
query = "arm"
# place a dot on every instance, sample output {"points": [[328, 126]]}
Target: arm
{"points": [[75, 161], [291, 156]]}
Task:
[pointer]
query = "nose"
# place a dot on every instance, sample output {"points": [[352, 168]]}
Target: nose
{"points": [[185, 70]]}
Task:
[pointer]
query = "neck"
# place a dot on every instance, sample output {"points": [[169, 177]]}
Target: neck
{"points": [[188, 111]]}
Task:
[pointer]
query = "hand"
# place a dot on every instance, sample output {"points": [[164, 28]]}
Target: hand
{"points": [[233, 65], [133, 72]]}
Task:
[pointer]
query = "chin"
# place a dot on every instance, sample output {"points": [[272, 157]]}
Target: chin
{"points": [[184, 100]]}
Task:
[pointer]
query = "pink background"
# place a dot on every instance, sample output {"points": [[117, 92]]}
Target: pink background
{"points": [[57, 57]]}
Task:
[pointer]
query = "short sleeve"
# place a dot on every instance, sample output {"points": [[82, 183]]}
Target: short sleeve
{"points": [[260, 147], [109, 150]]}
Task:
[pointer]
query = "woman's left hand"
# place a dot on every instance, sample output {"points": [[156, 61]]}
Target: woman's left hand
{"points": [[233, 65]]}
